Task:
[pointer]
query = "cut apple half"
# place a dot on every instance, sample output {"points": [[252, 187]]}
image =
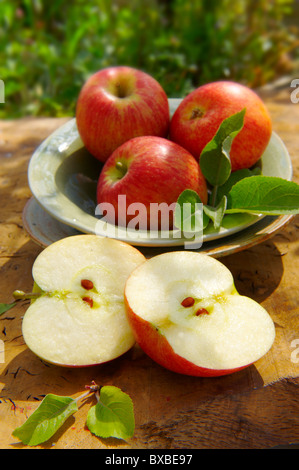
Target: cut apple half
{"points": [[187, 315], [79, 318]]}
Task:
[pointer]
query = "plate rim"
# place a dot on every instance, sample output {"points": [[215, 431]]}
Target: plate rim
{"points": [[235, 243]]}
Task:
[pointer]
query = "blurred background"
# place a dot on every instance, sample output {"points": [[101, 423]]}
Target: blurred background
{"points": [[49, 48]]}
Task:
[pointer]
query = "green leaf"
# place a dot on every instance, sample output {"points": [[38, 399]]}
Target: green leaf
{"points": [[5, 307], [113, 415], [265, 195], [214, 159], [233, 179], [189, 215], [46, 419], [216, 214]]}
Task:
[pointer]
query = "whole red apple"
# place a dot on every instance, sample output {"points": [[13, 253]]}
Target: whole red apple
{"points": [[147, 171], [117, 104], [198, 117]]}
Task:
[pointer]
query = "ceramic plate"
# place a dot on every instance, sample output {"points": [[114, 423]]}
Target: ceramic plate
{"points": [[45, 229], [62, 176]]}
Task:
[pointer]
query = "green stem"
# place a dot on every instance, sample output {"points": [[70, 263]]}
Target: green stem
{"points": [[122, 168], [213, 196], [20, 295]]}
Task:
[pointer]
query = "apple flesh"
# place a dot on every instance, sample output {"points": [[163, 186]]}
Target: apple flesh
{"points": [[148, 170], [199, 115], [119, 103], [79, 319], [188, 317]]}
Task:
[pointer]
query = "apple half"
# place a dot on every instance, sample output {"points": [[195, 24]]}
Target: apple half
{"points": [[79, 318], [187, 315]]}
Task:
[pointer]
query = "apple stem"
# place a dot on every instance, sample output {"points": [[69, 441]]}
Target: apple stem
{"points": [[20, 295], [121, 93], [121, 167]]}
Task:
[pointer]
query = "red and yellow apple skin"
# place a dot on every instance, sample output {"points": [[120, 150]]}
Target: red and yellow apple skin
{"points": [[156, 346], [198, 117], [119, 103], [155, 170]]}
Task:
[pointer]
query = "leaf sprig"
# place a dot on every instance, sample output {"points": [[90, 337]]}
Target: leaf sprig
{"points": [[240, 191], [112, 416]]}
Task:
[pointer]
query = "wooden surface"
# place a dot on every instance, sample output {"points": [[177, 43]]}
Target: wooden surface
{"points": [[255, 408]]}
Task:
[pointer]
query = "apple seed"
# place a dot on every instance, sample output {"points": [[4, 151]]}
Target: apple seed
{"points": [[88, 300], [87, 284], [201, 311], [188, 302]]}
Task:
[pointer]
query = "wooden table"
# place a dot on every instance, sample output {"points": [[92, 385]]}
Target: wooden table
{"points": [[255, 408]]}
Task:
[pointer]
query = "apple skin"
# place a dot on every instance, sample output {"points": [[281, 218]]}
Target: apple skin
{"points": [[119, 103], [198, 117], [157, 171], [156, 346]]}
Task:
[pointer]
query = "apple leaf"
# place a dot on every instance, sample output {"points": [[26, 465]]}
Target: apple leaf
{"points": [[189, 215], [215, 159], [268, 195], [234, 177], [113, 415], [216, 214], [5, 307], [46, 419]]}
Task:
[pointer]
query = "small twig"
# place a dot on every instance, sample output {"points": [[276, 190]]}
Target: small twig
{"points": [[93, 388]]}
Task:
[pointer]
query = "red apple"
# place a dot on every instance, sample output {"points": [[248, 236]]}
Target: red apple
{"points": [[147, 170], [117, 104], [198, 117], [187, 316]]}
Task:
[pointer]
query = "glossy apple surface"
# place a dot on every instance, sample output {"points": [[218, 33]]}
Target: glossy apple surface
{"points": [[188, 317], [79, 319], [198, 117], [148, 170], [119, 103]]}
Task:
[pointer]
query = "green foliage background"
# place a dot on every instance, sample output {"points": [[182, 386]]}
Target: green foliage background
{"points": [[49, 48]]}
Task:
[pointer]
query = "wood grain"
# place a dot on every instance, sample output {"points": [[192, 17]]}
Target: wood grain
{"points": [[254, 408]]}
